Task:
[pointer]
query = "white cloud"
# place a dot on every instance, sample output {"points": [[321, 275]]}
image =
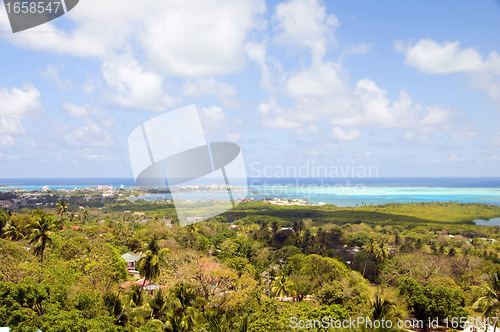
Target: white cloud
{"points": [[257, 53], [322, 91], [368, 154], [196, 38], [76, 111], [273, 116], [495, 158], [9, 126], [21, 103], [320, 96], [304, 23], [215, 124], [211, 87], [133, 87], [340, 134], [51, 73], [431, 57], [192, 39], [87, 111], [90, 134]]}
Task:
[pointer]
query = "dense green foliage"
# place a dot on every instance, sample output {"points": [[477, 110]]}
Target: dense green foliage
{"points": [[254, 268]]}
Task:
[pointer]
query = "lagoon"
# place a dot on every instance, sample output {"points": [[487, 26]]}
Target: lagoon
{"points": [[491, 222]]}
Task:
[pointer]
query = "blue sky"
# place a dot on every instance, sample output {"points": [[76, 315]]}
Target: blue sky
{"points": [[410, 87]]}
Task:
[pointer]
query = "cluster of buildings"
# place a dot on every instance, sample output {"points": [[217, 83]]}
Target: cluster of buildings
{"points": [[284, 201]]}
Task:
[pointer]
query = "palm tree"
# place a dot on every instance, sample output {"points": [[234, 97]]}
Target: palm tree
{"points": [[85, 216], [61, 209], [183, 315], [381, 308], [275, 226], [489, 302], [41, 232], [192, 230], [137, 310], [114, 306], [272, 277], [283, 286], [382, 252], [149, 265], [219, 321], [13, 231], [371, 248], [158, 305]]}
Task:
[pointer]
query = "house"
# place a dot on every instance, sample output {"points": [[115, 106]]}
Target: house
{"points": [[132, 260], [6, 204]]}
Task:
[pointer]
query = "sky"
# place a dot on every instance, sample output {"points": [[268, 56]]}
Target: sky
{"points": [[409, 87]]}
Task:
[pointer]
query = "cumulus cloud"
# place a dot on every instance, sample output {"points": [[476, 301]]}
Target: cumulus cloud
{"points": [[14, 105], [323, 92], [304, 23], [193, 38], [431, 57], [132, 86], [21, 103], [188, 39], [365, 106], [182, 38]]}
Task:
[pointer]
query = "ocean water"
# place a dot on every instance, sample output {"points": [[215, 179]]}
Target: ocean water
{"points": [[337, 191]]}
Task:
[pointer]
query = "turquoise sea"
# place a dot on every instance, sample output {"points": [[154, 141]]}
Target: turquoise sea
{"points": [[337, 191]]}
